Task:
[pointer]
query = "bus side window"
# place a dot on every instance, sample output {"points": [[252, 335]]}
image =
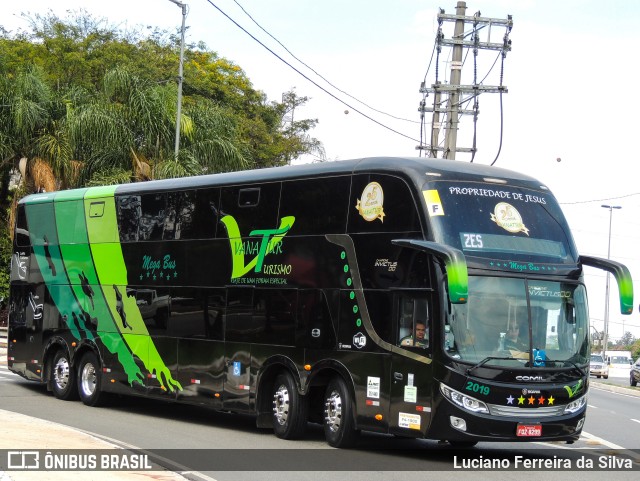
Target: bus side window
{"points": [[204, 217], [253, 207], [315, 329], [197, 313], [263, 316], [129, 213], [414, 322], [304, 199], [379, 305], [178, 223], [151, 222], [387, 195], [22, 232]]}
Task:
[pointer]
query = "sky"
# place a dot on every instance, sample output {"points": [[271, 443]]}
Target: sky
{"points": [[563, 122]]}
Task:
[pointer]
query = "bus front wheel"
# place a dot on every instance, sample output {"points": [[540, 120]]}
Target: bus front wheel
{"points": [[289, 408], [89, 376], [63, 377], [339, 424]]}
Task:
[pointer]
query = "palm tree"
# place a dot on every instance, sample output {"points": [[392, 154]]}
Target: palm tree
{"points": [[27, 110], [129, 125]]}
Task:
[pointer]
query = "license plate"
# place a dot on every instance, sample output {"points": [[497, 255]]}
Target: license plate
{"points": [[529, 430]]}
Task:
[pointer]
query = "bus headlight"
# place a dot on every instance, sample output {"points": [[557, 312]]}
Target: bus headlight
{"points": [[465, 402], [575, 406]]}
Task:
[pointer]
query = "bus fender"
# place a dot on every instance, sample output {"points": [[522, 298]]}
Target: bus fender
{"points": [[264, 380], [323, 371], [53, 345]]}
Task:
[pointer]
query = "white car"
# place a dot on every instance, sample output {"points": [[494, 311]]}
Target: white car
{"points": [[597, 367]]}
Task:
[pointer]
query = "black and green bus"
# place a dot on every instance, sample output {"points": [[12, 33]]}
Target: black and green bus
{"points": [[293, 294]]}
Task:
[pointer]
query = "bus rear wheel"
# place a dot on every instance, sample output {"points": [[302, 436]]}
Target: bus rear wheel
{"points": [[289, 408], [89, 377], [339, 424], [63, 377]]}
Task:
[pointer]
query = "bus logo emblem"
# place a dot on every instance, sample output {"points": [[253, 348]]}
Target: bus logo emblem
{"points": [[359, 340], [508, 217], [370, 204]]}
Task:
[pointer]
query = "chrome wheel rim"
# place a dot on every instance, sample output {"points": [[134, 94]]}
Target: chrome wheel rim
{"points": [[61, 373], [88, 379], [281, 405], [333, 411]]}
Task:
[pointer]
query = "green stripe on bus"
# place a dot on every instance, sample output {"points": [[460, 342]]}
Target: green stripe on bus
{"points": [[112, 274]]}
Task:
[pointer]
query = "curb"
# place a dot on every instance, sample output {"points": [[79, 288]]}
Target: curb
{"points": [[617, 389]]}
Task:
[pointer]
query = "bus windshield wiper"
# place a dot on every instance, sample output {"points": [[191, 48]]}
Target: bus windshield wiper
{"points": [[491, 358], [565, 362]]}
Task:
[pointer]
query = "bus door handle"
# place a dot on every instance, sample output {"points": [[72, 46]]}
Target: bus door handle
{"points": [[398, 376]]}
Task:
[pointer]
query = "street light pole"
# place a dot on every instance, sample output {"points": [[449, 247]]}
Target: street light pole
{"points": [[183, 6], [606, 304]]}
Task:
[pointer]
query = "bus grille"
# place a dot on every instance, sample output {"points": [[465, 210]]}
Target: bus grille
{"points": [[512, 411]]}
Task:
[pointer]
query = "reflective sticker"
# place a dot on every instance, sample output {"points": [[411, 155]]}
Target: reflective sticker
{"points": [[373, 387], [410, 394], [434, 205], [237, 368], [372, 403], [411, 421]]}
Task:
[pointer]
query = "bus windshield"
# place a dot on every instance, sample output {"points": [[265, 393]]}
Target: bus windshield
{"points": [[519, 320], [500, 221]]}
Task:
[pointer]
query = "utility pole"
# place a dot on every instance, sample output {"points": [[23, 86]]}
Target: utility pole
{"points": [[183, 7], [606, 304], [456, 76], [454, 90]]}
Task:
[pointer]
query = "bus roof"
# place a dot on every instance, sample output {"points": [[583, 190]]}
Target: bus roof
{"points": [[412, 167]]}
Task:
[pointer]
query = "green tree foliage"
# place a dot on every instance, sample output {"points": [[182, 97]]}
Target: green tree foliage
{"points": [[635, 349], [106, 98], [85, 103], [625, 342]]}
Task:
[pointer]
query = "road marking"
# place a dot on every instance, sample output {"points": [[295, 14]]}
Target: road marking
{"points": [[604, 442], [166, 463], [635, 420]]}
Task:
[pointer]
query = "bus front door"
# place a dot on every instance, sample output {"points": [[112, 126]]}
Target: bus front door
{"points": [[411, 368]]}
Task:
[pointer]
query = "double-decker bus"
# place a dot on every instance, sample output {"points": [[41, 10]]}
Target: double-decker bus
{"points": [[376, 294]]}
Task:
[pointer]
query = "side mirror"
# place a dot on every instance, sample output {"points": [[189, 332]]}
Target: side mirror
{"points": [[455, 265]]}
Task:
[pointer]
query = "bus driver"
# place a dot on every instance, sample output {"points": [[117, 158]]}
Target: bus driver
{"points": [[421, 339]]}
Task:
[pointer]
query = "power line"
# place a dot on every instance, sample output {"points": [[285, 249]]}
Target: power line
{"points": [[319, 75], [454, 89], [307, 78], [599, 200]]}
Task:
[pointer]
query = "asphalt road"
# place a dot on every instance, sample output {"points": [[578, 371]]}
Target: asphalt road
{"points": [[233, 441]]}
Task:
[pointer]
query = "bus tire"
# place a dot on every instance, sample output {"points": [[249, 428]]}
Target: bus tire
{"points": [[289, 408], [339, 424], [89, 377], [63, 377]]}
